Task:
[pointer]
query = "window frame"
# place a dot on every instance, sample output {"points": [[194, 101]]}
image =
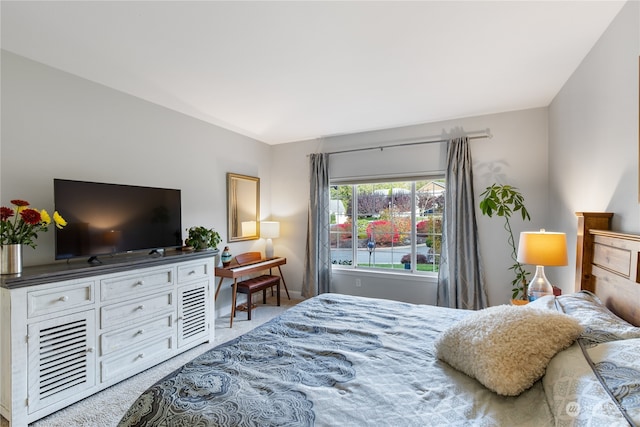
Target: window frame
{"points": [[413, 237]]}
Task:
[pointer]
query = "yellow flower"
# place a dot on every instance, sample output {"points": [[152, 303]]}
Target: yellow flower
{"points": [[60, 222], [21, 224], [45, 218]]}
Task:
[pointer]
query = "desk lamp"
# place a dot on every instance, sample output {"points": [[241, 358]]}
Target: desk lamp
{"points": [[541, 249], [269, 230]]}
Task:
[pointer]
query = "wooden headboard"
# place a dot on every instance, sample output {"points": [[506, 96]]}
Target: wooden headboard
{"points": [[607, 264]]}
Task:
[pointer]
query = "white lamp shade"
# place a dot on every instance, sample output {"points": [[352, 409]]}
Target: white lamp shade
{"points": [[542, 248], [269, 229]]}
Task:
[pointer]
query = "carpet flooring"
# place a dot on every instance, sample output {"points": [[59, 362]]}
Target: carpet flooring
{"points": [[104, 409]]}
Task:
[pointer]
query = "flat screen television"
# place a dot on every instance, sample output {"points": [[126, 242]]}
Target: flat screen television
{"points": [[113, 219]]}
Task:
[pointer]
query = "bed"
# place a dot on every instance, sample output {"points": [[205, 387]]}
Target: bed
{"points": [[352, 361]]}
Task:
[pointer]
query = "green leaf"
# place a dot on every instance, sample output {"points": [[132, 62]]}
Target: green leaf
{"points": [[504, 200]]}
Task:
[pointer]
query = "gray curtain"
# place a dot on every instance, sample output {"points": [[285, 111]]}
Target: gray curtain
{"points": [[460, 277], [317, 262]]}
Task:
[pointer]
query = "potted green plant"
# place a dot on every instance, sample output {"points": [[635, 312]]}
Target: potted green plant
{"points": [[201, 238], [504, 200]]}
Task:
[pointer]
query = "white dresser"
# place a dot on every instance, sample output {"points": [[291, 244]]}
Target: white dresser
{"points": [[67, 332]]}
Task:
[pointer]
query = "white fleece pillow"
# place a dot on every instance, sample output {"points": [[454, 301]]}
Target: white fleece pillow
{"points": [[506, 348]]}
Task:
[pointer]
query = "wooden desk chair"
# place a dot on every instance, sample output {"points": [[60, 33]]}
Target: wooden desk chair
{"points": [[255, 284]]}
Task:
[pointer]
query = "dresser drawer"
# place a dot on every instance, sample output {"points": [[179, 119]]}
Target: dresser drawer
{"points": [[129, 337], [137, 359], [61, 298], [123, 286], [131, 311], [193, 271]]}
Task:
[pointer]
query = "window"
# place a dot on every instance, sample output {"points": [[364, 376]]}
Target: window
{"points": [[388, 225]]}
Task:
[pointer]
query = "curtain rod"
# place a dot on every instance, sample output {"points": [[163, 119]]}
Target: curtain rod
{"points": [[382, 147]]}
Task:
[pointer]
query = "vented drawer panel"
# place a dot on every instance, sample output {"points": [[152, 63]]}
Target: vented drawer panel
{"points": [[193, 318], [61, 358]]}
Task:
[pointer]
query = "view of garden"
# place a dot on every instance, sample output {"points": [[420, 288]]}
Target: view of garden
{"points": [[380, 216]]}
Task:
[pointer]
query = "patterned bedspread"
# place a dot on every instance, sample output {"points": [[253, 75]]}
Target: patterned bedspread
{"points": [[335, 360]]}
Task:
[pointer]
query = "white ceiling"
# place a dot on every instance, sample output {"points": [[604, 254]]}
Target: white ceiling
{"points": [[289, 71]]}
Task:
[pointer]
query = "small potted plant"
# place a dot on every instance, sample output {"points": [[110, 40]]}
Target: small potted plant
{"points": [[201, 238], [505, 200]]}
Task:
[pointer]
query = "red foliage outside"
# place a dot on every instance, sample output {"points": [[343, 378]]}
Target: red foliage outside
{"points": [[344, 230], [383, 232]]}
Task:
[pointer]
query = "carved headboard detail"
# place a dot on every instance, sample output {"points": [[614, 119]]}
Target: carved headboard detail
{"points": [[607, 264]]}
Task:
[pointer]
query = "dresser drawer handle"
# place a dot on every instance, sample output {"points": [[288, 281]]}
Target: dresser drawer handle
{"points": [[90, 350], [140, 307], [139, 283], [192, 272], [140, 332], [63, 298], [141, 356]]}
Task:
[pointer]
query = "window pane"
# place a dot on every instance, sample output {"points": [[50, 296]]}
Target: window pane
{"points": [[383, 236], [391, 231], [341, 225], [430, 195]]}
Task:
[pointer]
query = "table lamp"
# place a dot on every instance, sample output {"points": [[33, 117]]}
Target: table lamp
{"points": [[541, 249], [269, 230]]}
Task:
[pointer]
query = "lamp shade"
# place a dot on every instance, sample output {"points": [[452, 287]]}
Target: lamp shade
{"points": [[542, 248], [269, 229]]}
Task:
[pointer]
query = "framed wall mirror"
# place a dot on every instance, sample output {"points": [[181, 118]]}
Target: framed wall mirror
{"points": [[243, 207]]}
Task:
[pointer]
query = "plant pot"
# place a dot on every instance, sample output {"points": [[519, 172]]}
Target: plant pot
{"points": [[519, 302], [11, 259], [200, 245]]}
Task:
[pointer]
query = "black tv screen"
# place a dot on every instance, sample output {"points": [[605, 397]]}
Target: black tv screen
{"points": [[111, 218]]}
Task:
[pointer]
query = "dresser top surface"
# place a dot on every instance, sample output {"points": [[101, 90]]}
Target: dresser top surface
{"points": [[63, 270]]}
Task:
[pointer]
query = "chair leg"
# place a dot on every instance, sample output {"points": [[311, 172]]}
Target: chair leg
{"points": [[278, 293], [249, 306], [264, 296]]}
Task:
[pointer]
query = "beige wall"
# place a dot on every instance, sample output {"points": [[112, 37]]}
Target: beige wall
{"points": [[56, 125], [516, 154], [593, 134]]}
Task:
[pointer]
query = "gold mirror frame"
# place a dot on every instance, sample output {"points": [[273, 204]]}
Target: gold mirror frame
{"points": [[243, 207]]}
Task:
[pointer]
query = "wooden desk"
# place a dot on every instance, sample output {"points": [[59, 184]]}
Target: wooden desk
{"points": [[234, 270]]}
